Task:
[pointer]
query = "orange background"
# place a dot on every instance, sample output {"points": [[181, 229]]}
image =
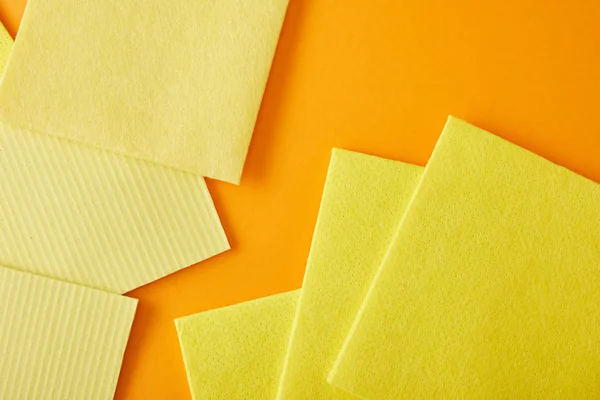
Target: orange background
{"points": [[378, 77]]}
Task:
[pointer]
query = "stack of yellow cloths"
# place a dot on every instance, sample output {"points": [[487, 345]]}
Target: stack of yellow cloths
{"points": [[111, 115], [476, 277]]}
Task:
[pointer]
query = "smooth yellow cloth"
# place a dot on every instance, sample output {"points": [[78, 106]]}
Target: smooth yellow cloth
{"points": [[174, 82], [91, 217], [237, 352], [60, 341], [363, 201], [491, 287]]}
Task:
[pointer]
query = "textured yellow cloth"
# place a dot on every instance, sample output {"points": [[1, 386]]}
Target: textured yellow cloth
{"points": [[6, 43], [237, 352], [174, 82], [363, 201], [95, 218], [491, 287], [60, 341]]}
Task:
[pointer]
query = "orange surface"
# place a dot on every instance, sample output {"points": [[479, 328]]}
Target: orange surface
{"points": [[378, 77]]}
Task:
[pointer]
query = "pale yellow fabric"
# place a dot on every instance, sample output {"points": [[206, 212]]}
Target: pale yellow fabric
{"points": [[237, 352], [174, 82], [60, 341], [6, 44], [363, 201], [491, 287], [91, 217]]}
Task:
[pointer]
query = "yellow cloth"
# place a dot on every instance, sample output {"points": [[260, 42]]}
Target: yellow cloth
{"points": [[60, 341], [491, 287], [178, 83], [6, 43], [237, 352], [363, 201], [95, 218]]}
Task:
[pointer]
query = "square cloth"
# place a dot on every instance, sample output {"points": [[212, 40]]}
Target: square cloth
{"points": [[174, 82], [491, 287], [363, 201], [237, 352], [58, 340], [95, 218]]}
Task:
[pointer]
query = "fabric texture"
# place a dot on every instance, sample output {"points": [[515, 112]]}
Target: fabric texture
{"points": [[491, 286], [98, 219], [237, 352], [58, 340], [363, 201], [177, 83]]}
